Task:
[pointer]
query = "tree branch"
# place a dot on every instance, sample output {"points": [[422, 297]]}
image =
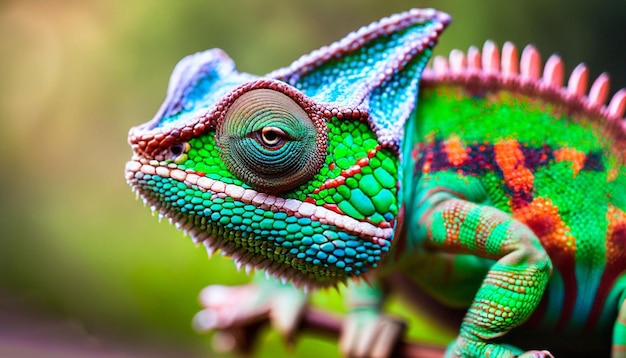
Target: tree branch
{"points": [[241, 338]]}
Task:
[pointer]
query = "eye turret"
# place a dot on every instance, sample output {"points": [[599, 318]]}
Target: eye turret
{"points": [[270, 142]]}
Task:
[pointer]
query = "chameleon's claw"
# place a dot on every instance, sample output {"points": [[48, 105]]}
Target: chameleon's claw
{"points": [[370, 334]]}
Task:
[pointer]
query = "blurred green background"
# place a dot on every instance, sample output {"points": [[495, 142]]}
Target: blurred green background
{"points": [[84, 268]]}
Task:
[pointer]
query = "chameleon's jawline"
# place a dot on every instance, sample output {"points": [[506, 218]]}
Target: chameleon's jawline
{"points": [[137, 167], [265, 201]]}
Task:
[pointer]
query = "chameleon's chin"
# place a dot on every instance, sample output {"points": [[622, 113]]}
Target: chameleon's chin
{"points": [[297, 241], [284, 270]]}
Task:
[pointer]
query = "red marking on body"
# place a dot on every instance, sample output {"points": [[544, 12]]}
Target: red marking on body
{"points": [[416, 152], [616, 236], [347, 173], [543, 218], [455, 150], [518, 178], [576, 157], [615, 261], [353, 170], [310, 200], [330, 183], [333, 207], [426, 168]]}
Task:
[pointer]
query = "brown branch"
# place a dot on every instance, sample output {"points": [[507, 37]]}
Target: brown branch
{"points": [[242, 337]]}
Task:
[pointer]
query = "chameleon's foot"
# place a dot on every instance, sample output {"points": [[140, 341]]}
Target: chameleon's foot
{"points": [[227, 307], [370, 334], [464, 347]]}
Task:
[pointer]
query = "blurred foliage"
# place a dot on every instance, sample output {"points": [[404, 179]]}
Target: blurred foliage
{"points": [[75, 75]]}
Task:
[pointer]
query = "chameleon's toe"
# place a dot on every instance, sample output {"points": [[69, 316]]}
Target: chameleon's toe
{"points": [[287, 306], [227, 307], [370, 334]]}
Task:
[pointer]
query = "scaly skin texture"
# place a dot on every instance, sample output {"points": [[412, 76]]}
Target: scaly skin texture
{"points": [[296, 172], [555, 172], [500, 192]]}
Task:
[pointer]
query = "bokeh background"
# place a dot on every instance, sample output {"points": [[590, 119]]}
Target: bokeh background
{"points": [[85, 270]]}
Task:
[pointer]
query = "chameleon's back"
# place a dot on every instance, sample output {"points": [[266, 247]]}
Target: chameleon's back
{"points": [[551, 157]]}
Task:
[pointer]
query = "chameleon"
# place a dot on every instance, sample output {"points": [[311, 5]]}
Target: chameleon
{"points": [[479, 181]]}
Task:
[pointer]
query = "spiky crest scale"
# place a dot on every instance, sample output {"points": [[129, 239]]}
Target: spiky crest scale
{"points": [[527, 74]]}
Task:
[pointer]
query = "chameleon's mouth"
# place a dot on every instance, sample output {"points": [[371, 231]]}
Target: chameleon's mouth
{"points": [[305, 243]]}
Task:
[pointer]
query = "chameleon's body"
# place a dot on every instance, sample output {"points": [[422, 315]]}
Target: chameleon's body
{"points": [[500, 192]]}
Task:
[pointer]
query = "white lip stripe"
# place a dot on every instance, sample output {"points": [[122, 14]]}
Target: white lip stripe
{"points": [[250, 196]]}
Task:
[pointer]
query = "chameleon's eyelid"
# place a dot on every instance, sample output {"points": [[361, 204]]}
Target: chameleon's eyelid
{"points": [[223, 106]]}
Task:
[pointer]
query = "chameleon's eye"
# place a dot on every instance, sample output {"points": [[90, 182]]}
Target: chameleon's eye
{"points": [[271, 138], [178, 152], [177, 149], [269, 141]]}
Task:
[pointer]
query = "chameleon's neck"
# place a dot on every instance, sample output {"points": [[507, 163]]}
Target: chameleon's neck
{"points": [[408, 235], [408, 180]]}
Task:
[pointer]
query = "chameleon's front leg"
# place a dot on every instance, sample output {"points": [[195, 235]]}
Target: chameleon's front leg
{"points": [[513, 286]]}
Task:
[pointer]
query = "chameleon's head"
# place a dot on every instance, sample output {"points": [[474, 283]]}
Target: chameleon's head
{"points": [[297, 172]]}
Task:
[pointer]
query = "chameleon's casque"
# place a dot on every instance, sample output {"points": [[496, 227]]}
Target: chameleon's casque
{"points": [[296, 172], [494, 189]]}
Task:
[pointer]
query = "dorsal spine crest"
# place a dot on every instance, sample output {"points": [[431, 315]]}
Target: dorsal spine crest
{"points": [[527, 74]]}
